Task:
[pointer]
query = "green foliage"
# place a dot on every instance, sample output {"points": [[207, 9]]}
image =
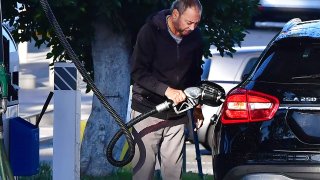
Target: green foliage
{"points": [[120, 175], [45, 173], [223, 22], [127, 175], [30, 22]]}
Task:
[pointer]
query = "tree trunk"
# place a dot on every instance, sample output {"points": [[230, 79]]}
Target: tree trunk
{"points": [[110, 53]]}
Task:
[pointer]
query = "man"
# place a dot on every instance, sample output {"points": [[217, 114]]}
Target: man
{"points": [[166, 60]]}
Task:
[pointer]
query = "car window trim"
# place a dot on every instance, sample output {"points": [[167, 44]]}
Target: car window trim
{"points": [[312, 76]]}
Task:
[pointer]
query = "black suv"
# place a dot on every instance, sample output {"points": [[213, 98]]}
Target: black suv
{"points": [[269, 125]]}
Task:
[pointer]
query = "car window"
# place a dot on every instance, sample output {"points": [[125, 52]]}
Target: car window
{"points": [[225, 68], [295, 62], [248, 68], [206, 68], [230, 69], [6, 34]]}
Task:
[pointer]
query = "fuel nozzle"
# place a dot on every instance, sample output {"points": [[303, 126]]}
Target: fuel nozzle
{"points": [[3, 88], [212, 94], [209, 93], [192, 94]]}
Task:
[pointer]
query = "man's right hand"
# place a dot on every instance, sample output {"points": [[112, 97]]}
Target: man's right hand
{"points": [[177, 96]]}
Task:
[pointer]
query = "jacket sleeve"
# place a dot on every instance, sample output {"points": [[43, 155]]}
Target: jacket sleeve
{"points": [[141, 62]]}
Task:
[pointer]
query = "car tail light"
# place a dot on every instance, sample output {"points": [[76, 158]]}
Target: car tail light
{"points": [[243, 106]]}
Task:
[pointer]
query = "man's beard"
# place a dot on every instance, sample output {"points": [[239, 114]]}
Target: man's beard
{"points": [[184, 32]]}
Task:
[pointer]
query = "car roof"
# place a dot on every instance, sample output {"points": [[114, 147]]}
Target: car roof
{"points": [[298, 28]]}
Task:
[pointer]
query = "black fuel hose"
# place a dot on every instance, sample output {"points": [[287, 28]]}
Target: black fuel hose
{"points": [[62, 38], [159, 108], [127, 159]]}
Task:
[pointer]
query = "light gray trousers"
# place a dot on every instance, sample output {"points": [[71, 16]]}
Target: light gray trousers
{"points": [[158, 138]]}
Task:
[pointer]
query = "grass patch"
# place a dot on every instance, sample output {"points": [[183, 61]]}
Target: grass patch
{"points": [[127, 175], [195, 176], [45, 173]]}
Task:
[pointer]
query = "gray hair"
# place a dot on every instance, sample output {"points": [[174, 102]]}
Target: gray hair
{"points": [[182, 5]]}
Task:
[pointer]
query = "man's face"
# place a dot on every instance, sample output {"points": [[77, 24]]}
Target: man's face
{"points": [[186, 22]]}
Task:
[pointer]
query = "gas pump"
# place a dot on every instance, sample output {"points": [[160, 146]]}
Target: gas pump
{"points": [[5, 170], [3, 74]]}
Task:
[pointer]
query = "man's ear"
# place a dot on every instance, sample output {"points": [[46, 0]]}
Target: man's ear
{"points": [[175, 14]]}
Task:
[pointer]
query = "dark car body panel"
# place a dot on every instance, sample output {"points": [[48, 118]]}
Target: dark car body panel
{"points": [[286, 130], [288, 144]]}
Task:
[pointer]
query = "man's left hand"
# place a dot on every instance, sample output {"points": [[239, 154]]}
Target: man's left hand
{"points": [[198, 117]]}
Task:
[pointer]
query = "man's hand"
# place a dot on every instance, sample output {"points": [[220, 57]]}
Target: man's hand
{"points": [[198, 117], [177, 96]]}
